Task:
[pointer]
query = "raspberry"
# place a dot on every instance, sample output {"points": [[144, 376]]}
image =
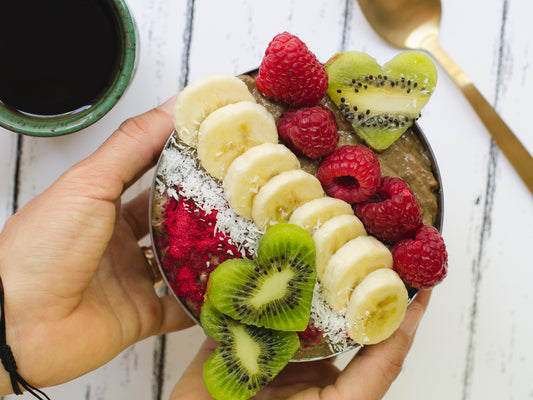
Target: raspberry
{"points": [[311, 335], [422, 262], [290, 72], [311, 131], [393, 213], [351, 173]]}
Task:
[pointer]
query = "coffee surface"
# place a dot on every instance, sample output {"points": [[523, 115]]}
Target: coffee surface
{"points": [[56, 56]]}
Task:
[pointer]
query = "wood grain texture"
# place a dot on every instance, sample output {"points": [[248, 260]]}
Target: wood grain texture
{"points": [[473, 343]]}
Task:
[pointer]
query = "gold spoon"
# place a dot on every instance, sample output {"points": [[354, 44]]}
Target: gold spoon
{"points": [[414, 24]]}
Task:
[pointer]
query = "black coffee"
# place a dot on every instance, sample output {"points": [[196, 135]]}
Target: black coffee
{"points": [[56, 56]]}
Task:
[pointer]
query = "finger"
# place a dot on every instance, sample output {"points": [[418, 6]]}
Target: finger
{"points": [[303, 379], [369, 375], [135, 212], [191, 384], [135, 146], [129, 152], [415, 313]]}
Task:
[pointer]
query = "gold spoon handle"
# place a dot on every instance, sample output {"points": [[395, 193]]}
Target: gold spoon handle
{"points": [[510, 145]]}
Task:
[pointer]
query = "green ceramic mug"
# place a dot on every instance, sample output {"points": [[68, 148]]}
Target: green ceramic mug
{"points": [[65, 64]]}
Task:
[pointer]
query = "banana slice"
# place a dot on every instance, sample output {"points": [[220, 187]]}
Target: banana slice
{"points": [[315, 212], [377, 307], [332, 235], [251, 170], [348, 266], [201, 98], [282, 194], [229, 131]]}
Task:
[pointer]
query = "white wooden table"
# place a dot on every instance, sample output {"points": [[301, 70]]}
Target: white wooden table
{"points": [[474, 342]]}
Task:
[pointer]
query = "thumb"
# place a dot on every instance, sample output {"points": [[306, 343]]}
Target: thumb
{"points": [[370, 374], [125, 156]]}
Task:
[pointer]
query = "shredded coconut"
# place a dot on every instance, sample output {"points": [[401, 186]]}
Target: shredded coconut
{"points": [[332, 324], [179, 168]]}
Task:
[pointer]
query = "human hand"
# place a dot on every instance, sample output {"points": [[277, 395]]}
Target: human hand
{"points": [[368, 376], [78, 290]]}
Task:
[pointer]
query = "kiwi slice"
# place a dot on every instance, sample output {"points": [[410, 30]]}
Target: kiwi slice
{"points": [[247, 361], [274, 290], [381, 103], [248, 358], [215, 324]]}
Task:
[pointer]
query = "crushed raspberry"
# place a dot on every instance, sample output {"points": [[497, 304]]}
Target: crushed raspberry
{"points": [[181, 234], [188, 283], [393, 213], [193, 250], [423, 262], [351, 173], [290, 72], [311, 131]]}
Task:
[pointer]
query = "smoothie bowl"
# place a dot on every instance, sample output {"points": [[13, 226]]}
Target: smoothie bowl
{"points": [[296, 209]]}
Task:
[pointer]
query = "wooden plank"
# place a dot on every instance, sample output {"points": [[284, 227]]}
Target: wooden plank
{"points": [[133, 374], [501, 351], [9, 156]]}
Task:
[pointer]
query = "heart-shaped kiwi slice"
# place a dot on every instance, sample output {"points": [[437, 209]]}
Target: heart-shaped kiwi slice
{"points": [[381, 102]]}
